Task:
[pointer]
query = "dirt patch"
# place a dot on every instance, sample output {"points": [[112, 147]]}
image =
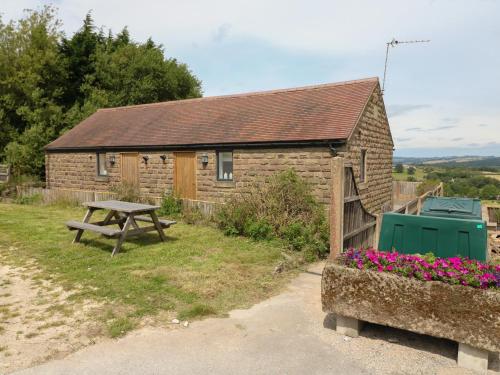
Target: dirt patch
{"points": [[38, 320]]}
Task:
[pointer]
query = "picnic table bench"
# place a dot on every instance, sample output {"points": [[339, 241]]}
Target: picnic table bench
{"points": [[123, 214]]}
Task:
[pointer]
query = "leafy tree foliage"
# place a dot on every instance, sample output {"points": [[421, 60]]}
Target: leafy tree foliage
{"points": [[49, 83], [411, 170], [399, 168], [464, 182]]}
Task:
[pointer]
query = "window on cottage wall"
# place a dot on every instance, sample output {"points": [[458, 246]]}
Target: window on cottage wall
{"points": [[101, 164], [225, 165], [362, 167]]}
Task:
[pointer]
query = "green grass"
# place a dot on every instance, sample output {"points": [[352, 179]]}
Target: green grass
{"points": [[198, 271], [419, 175]]}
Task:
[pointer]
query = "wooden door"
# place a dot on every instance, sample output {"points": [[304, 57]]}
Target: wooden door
{"points": [[185, 174], [130, 168]]}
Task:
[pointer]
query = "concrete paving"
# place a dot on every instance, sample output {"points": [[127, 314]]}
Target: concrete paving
{"points": [[286, 334], [278, 335]]}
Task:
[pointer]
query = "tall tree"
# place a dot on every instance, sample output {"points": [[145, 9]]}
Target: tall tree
{"points": [[49, 83], [79, 52], [31, 81]]}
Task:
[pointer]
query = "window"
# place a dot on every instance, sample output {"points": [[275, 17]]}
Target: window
{"points": [[225, 166], [101, 165], [362, 167]]}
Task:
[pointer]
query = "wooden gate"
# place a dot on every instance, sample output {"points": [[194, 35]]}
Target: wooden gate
{"points": [[350, 224], [130, 168], [185, 175], [359, 224]]}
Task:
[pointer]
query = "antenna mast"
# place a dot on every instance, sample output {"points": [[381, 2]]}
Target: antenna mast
{"points": [[393, 43]]}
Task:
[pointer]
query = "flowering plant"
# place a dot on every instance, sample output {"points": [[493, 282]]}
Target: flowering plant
{"points": [[454, 270]]}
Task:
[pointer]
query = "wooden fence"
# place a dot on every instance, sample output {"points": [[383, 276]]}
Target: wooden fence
{"points": [[4, 173], [57, 195], [49, 196], [414, 206], [404, 191]]}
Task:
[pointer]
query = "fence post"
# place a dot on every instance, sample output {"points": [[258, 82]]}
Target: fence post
{"points": [[378, 227], [337, 207]]}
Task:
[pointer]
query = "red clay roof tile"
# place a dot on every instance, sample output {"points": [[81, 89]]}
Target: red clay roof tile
{"points": [[312, 113]]}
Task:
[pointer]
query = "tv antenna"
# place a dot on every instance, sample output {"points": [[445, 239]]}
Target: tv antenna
{"points": [[393, 43]]}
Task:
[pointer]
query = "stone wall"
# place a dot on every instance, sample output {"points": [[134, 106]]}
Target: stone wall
{"points": [[373, 135], [78, 171]]}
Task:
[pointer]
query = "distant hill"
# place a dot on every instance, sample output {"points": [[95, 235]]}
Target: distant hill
{"points": [[471, 161]]}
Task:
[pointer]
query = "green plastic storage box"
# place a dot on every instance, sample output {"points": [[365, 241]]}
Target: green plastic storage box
{"points": [[459, 208], [445, 237]]}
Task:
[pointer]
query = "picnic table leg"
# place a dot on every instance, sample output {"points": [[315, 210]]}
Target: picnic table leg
{"points": [[158, 226], [108, 217], [118, 217], [123, 234], [86, 219]]}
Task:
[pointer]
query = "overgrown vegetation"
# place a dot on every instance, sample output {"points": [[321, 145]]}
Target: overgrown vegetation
{"points": [[50, 82], [282, 207]]}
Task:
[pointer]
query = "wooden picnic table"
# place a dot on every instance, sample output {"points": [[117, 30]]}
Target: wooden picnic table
{"points": [[125, 215]]}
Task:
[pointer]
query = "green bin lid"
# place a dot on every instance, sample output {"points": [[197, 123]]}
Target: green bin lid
{"points": [[461, 208]]}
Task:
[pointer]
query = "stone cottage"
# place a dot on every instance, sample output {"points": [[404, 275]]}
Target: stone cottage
{"points": [[204, 149]]}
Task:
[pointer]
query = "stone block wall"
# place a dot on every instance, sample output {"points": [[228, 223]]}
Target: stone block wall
{"points": [[78, 171], [373, 135]]}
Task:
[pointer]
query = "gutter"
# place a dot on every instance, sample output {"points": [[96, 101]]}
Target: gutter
{"points": [[332, 144]]}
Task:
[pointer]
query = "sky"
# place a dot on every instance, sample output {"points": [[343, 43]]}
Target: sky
{"points": [[442, 97]]}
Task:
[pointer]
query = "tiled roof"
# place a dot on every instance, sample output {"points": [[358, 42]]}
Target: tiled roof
{"points": [[313, 113]]}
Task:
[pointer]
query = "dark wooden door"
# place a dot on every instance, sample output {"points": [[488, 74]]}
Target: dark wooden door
{"points": [[185, 175]]}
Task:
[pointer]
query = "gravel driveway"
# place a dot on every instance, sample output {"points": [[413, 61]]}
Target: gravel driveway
{"points": [[286, 334]]}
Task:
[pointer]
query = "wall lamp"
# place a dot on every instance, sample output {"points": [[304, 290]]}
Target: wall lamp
{"points": [[145, 158], [163, 157], [112, 160], [204, 159]]}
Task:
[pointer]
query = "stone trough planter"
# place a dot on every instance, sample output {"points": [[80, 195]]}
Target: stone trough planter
{"points": [[463, 314]]}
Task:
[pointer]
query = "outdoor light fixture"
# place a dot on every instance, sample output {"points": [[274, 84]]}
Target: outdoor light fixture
{"points": [[163, 157], [145, 158], [204, 159], [112, 160]]}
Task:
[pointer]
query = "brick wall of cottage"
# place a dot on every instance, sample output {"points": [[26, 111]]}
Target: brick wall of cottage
{"points": [[372, 134], [78, 171]]}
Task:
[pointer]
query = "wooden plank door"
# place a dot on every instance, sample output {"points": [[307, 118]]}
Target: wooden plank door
{"points": [[130, 168], [185, 175]]}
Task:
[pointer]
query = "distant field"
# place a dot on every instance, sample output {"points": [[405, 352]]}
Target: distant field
{"points": [[492, 175], [419, 175]]}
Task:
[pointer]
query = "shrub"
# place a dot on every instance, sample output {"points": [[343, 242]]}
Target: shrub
{"points": [[411, 179], [170, 205], [411, 170], [259, 230], [456, 270], [281, 206], [127, 192]]}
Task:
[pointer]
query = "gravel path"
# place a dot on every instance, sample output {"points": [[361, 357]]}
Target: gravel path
{"points": [[285, 334]]}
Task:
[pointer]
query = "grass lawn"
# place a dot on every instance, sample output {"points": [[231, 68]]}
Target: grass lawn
{"points": [[419, 175], [197, 272]]}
